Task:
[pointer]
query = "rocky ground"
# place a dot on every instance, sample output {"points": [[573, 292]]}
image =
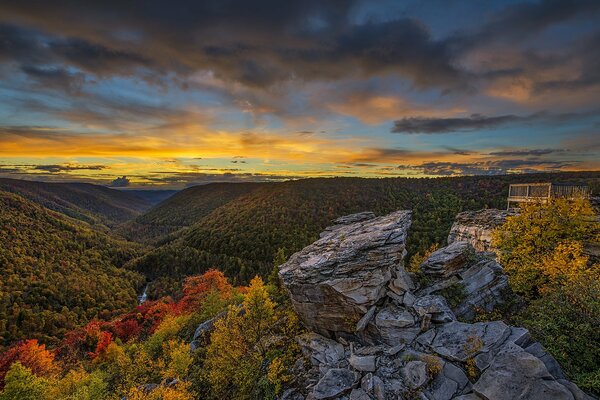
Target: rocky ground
{"points": [[379, 332]]}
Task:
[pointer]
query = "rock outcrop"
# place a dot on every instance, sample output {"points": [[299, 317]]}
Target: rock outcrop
{"points": [[475, 227], [391, 336], [336, 280]]}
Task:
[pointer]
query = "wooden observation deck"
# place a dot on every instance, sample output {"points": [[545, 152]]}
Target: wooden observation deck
{"points": [[541, 192]]}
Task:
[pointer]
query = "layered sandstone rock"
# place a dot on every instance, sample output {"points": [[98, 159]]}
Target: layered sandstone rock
{"points": [[476, 227], [334, 281], [404, 339]]}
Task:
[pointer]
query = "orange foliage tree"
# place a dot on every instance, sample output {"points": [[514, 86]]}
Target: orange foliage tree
{"points": [[196, 288], [31, 355]]}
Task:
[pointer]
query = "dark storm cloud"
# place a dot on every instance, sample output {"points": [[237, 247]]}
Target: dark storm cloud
{"points": [[314, 40], [28, 47], [262, 43]]}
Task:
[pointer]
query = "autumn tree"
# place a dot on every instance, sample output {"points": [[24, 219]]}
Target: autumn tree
{"points": [[527, 241], [32, 356], [238, 346], [22, 384], [196, 288], [542, 252]]}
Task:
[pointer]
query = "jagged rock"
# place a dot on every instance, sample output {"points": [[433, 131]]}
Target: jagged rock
{"points": [[203, 331], [364, 321], [333, 282], [485, 286], [319, 349], [476, 227], [577, 393], [436, 306], [373, 385], [446, 261], [469, 396], [460, 341], [396, 325], [362, 363], [515, 374], [408, 299], [415, 374], [448, 383], [402, 282], [291, 394], [399, 341], [359, 394], [550, 362], [335, 382], [369, 350]]}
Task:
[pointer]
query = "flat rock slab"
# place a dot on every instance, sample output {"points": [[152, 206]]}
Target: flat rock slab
{"points": [[334, 383], [459, 341], [319, 349], [447, 260], [515, 374]]}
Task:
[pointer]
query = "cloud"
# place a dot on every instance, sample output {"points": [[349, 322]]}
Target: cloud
{"points": [[487, 167], [445, 125], [524, 153], [120, 182], [431, 125], [460, 152], [185, 42], [55, 78], [55, 168]]}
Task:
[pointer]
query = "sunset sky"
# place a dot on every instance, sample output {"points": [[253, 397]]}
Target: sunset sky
{"points": [[152, 93]]}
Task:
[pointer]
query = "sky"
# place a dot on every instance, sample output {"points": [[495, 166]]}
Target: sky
{"points": [[169, 94]]}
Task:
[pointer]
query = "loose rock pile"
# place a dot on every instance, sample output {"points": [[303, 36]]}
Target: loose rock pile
{"points": [[379, 332]]}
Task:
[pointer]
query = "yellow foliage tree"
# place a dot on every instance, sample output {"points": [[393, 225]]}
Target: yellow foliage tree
{"points": [[238, 345], [528, 242]]}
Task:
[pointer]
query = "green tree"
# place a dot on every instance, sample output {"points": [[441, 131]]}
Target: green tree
{"points": [[22, 384]]}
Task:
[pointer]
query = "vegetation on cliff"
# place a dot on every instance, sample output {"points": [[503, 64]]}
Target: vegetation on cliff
{"points": [[541, 249]]}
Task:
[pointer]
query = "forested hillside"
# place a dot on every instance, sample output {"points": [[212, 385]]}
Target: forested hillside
{"points": [[93, 204], [57, 273], [242, 236], [183, 209], [152, 196]]}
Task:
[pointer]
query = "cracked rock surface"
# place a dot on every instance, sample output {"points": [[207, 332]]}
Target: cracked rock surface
{"points": [[377, 334]]}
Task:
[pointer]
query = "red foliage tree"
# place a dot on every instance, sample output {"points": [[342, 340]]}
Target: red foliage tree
{"points": [[196, 288]]}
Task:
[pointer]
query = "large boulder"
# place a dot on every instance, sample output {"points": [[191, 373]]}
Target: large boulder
{"points": [[473, 281], [476, 227], [448, 260], [334, 281]]}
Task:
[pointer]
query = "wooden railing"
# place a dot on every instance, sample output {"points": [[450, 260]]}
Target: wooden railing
{"points": [[527, 192]]}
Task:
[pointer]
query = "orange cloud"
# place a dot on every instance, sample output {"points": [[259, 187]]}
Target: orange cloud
{"points": [[378, 109]]}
